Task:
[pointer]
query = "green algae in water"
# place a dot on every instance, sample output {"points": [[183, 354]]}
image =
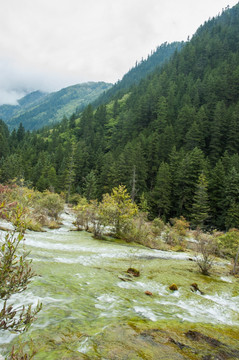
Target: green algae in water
{"points": [[89, 313]]}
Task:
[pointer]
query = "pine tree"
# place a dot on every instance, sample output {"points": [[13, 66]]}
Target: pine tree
{"points": [[232, 198], [4, 139], [232, 216], [161, 196], [52, 178], [188, 170], [90, 186], [161, 121], [70, 172], [200, 208], [216, 187], [216, 131], [194, 137], [233, 132], [20, 132]]}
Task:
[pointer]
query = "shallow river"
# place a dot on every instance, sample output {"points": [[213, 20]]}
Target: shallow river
{"points": [[87, 307]]}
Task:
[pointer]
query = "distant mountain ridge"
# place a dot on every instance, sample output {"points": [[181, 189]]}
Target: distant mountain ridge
{"points": [[9, 111], [39, 109], [140, 71]]}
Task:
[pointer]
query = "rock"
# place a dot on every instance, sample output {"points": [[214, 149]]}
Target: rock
{"points": [[173, 287], [225, 352], [123, 278], [194, 288], [133, 272], [197, 336], [148, 293], [179, 344]]}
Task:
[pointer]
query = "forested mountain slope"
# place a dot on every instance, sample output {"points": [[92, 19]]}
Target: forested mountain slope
{"points": [[140, 71], [38, 109], [29, 100], [173, 140]]}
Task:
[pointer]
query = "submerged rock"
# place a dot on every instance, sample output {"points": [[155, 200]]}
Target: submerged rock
{"points": [[194, 288], [125, 277], [197, 336], [179, 344], [133, 272], [148, 293], [221, 351], [173, 287]]}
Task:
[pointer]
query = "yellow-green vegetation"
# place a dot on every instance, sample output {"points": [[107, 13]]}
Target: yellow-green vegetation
{"points": [[229, 245], [117, 210], [37, 209], [91, 315], [118, 216], [140, 340], [127, 322], [15, 275], [174, 234]]}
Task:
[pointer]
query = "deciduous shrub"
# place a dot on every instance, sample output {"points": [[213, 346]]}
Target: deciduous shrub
{"points": [[205, 248], [51, 204], [229, 245]]}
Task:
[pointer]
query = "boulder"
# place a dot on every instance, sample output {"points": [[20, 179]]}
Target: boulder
{"points": [[173, 287]]}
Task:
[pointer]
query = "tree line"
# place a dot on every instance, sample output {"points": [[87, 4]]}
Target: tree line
{"points": [[168, 138]]}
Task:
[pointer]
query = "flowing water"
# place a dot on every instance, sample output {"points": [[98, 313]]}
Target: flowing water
{"points": [[90, 312]]}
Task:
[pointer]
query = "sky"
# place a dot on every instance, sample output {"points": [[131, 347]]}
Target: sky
{"points": [[51, 44]]}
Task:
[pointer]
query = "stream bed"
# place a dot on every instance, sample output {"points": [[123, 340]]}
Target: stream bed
{"points": [[90, 312]]}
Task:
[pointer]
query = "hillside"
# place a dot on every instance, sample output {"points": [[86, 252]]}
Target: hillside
{"points": [[32, 99], [140, 71], [173, 139], [38, 109]]}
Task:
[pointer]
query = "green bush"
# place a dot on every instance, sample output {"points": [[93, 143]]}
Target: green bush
{"points": [[51, 204], [228, 243]]}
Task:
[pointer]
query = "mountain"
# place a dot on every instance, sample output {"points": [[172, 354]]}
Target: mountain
{"points": [[29, 100], [172, 139], [140, 71], [38, 109]]}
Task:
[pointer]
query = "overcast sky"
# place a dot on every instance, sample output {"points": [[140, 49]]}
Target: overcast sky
{"points": [[50, 44]]}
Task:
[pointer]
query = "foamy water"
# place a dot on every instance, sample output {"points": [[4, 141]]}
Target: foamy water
{"points": [[80, 283]]}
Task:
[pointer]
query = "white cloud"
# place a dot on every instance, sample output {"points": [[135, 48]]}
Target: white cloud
{"points": [[10, 96], [48, 44]]}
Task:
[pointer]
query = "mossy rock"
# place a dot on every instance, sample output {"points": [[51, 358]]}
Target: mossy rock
{"points": [[134, 272], [173, 287]]}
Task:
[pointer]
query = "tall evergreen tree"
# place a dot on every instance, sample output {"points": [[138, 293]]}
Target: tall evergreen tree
{"points": [[215, 146], [216, 187], [200, 208], [189, 169], [90, 186], [20, 133], [161, 195]]}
